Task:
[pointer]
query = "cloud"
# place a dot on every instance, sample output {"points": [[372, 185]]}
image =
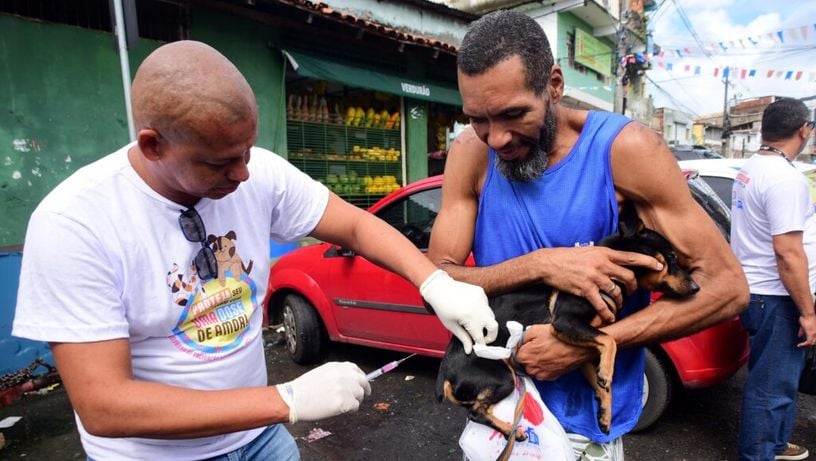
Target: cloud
{"points": [[727, 21], [706, 4]]}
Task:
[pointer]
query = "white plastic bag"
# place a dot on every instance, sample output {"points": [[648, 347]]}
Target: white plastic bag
{"points": [[546, 439]]}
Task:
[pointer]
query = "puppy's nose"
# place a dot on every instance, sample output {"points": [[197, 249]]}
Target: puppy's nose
{"points": [[694, 287]]}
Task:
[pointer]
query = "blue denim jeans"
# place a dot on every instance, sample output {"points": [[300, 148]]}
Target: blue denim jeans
{"points": [[774, 366], [274, 443]]}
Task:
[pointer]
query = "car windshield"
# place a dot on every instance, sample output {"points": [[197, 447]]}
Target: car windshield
{"points": [[414, 215], [682, 154], [722, 186], [710, 154], [712, 204]]}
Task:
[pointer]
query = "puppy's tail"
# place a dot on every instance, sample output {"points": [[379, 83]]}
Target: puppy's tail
{"points": [[247, 269]]}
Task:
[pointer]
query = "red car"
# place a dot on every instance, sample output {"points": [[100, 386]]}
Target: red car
{"points": [[324, 293]]}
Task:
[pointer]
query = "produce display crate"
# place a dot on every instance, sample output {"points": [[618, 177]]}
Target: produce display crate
{"points": [[360, 164]]}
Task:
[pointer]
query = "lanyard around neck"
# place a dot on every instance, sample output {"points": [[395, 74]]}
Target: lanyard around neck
{"points": [[767, 148]]}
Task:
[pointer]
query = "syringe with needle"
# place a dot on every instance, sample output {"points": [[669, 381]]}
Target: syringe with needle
{"points": [[386, 368]]}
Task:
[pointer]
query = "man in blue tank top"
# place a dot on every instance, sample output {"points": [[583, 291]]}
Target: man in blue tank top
{"points": [[530, 185]]}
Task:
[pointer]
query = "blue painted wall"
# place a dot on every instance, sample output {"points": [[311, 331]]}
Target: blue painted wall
{"points": [[15, 353]]}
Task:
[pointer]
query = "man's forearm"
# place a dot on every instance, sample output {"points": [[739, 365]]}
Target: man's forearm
{"points": [[793, 272], [498, 278], [720, 297]]}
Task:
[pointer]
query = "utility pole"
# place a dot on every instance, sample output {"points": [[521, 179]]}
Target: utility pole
{"points": [[621, 65], [726, 133]]}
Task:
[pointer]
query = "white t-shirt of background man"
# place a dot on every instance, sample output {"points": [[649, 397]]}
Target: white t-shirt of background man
{"points": [[105, 258], [770, 197]]}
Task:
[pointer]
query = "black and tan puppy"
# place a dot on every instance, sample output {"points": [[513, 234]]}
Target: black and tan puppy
{"points": [[478, 383]]}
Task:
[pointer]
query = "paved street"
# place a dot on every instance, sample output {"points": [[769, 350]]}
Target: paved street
{"points": [[401, 420]]}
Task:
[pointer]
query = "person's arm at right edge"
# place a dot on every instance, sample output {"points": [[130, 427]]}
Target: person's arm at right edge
{"points": [[792, 263]]}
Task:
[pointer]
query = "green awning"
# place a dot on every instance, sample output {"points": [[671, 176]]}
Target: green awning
{"points": [[360, 77]]}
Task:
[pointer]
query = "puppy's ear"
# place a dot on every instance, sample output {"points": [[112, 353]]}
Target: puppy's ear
{"points": [[629, 224], [230, 235], [211, 239]]}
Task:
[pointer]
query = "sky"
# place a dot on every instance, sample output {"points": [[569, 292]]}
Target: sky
{"points": [[700, 39]]}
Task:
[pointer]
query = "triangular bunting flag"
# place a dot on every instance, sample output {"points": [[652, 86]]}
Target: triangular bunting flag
{"points": [[716, 71], [752, 73], [770, 73], [743, 72], [788, 75], [781, 38], [798, 75]]}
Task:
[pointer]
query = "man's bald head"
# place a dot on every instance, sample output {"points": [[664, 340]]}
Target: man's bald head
{"points": [[187, 90]]}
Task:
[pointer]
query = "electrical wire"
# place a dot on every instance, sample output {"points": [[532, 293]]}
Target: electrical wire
{"points": [[690, 28], [672, 98]]}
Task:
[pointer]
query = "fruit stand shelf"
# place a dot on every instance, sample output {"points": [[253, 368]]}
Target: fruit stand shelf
{"points": [[360, 164]]}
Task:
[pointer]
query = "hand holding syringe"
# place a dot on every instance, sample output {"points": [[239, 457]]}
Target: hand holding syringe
{"points": [[386, 368]]}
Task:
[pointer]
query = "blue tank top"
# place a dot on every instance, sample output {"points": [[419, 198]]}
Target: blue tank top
{"points": [[572, 204]]}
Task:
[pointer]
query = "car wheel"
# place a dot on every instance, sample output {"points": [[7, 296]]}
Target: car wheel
{"points": [[657, 391], [304, 335]]}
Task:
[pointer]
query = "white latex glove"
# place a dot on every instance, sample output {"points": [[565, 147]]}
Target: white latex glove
{"points": [[461, 307], [331, 389]]}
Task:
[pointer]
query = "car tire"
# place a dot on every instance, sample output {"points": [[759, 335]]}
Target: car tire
{"points": [[302, 329], [657, 391]]}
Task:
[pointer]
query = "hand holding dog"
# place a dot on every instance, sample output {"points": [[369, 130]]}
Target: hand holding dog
{"points": [[462, 308], [545, 357], [331, 389], [588, 271]]}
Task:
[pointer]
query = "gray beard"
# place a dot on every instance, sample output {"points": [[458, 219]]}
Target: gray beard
{"points": [[535, 163]]}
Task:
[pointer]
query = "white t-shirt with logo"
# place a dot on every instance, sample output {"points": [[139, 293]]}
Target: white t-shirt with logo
{"points": [[770, 197], [105, 258]]}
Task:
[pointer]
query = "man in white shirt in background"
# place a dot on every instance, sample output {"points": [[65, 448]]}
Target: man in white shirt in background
{"points": [[773, 234]]}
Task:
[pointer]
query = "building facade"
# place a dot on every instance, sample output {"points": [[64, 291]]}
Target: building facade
{"points": [[594, 42], [674, 126]]}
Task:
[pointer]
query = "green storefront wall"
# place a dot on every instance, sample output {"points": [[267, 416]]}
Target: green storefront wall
{"points": [[63, 101], [63, 107]]}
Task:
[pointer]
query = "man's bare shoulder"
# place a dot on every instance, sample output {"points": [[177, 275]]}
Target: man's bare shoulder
{"points": [[639, 146], [467, 161], [468, 140]]}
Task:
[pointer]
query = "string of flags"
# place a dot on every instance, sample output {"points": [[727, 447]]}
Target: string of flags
{"points": [[785, 36], [781, 37]]}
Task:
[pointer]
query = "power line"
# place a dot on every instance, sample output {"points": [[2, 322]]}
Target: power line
{"points": [[672, 98], [690, 28], [659, 11]]}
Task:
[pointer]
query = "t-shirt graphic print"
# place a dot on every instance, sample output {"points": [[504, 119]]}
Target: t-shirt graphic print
{"points": [[215, 312]]}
